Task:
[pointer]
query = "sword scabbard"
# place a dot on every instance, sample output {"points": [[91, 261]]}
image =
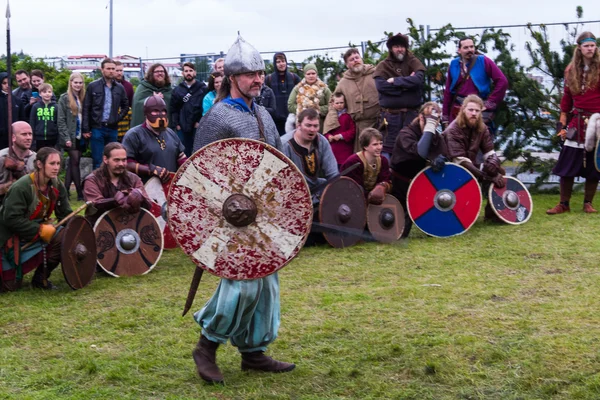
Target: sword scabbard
{"points": [[193, 289]]}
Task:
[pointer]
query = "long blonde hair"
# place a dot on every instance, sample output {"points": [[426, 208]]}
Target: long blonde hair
{"points": [[71, 94], [575, 79]]}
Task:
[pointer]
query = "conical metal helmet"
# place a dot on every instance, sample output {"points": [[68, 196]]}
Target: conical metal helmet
{"points": [[242, 57]]}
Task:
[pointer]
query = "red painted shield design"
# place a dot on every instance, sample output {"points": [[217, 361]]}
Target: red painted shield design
{"points": [[239, 209], [444, 203], [512, 203]]}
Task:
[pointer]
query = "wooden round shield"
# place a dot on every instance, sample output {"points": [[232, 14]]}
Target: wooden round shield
{"points": [[78, 252], [444, 203], [343, 207], [386, 221], [512, 203], [128, 244], [157, 191], [240, 209]]}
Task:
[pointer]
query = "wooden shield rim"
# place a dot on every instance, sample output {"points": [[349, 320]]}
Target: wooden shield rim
{"points": [[267, 146], [408, 204], [388, 199], [159, 254], [491, 190], [596, 155], [356, 239], [165, 241], [65, 250]]}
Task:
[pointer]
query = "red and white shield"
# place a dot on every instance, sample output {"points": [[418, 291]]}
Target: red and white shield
{"points": [[157, 190], [240, 209]]}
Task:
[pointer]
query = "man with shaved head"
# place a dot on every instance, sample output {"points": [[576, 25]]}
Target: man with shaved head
{"points": [[17, 159]]}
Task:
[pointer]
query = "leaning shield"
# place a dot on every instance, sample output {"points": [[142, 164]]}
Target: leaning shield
{"points": [[444, 203], [386, 221], [512, 203], [240, 209], [157, 191], [78, 252], [597, 155], [343, 208], [128, 244]]}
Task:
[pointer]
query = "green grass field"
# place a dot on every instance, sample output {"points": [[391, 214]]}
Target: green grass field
{"points": [[501, 312]]}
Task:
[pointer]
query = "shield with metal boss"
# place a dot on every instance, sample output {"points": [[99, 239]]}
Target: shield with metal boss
{"points": [[444, 203], [343, 208], [157, 191], [78, 252], [128, 244], [386, 221], [512, 203], [240, 209]]}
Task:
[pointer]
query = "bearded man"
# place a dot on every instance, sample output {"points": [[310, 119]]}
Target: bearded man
{"points": [[362, 99], [186, 106], [247, 313], [465, 137], [418, 144], [156, 83], [399, 80], [112, 186], [472, 73], [24, 218], [154, 149], [17, 159]]}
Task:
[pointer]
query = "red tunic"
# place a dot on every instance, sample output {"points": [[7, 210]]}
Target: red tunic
{"points": [[342, 149], [583, 104]]}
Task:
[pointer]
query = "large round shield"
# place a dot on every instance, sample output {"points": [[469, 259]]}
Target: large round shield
{"points": [[512, 203], [444, 203], [128, 244], [343, 207], [78, 252], [386, 221], [157, 191], [240, 209]]}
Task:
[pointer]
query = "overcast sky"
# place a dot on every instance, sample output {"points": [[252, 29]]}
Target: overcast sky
{"points": [[166, 28]]}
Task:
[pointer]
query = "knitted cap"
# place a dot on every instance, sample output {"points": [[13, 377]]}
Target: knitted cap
{"points": [[310, 66]]}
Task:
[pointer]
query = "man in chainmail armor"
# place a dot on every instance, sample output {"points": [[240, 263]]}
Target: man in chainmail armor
{"points": [[243, 312]]}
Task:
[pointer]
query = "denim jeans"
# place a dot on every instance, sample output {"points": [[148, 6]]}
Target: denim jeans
{"points": [[100, 138]]}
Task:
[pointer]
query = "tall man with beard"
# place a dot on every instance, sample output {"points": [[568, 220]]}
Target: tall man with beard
{"points": [[468, 135], [472, 73], [16, 160], [156, 83], [282, 82], [112, 186], [154, 149], [399, 80], [247, 313], [362, 99], [186, 106]]}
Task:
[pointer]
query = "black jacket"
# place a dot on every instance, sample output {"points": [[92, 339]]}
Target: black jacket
{"points": [[186, 105], [17, 113], [44, 121], [93, 105], [266, 98], [282, 85]]}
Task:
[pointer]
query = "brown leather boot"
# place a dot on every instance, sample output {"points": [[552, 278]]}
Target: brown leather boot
{"points": [[558, 209], [588, 208], [205, 357], [258, 361]]}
